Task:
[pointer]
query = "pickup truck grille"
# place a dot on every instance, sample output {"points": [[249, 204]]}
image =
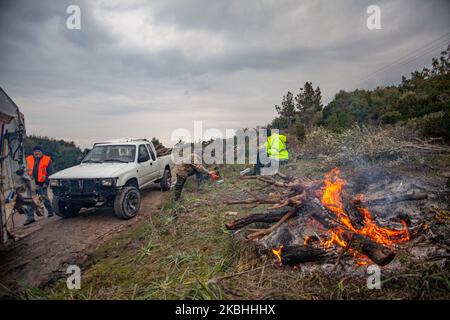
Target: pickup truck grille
{"points": [[82, 186]]}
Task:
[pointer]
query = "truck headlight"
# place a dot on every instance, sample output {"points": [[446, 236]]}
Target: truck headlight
{"points": [[55, 183], [109, 182]]}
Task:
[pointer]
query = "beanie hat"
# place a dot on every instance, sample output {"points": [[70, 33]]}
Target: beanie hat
{"points": [[38, 148]]}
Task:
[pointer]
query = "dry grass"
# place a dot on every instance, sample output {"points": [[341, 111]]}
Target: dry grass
{"points": [[362, 145]]}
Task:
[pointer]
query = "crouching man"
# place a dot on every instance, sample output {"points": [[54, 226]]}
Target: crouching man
{"points": [[275, 148], [193, 166]]}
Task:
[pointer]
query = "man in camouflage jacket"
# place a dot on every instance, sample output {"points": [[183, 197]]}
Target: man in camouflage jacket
{"points": [[186, 169]]}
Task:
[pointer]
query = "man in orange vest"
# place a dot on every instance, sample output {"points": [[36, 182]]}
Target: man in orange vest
{"points": [[39, 169]]}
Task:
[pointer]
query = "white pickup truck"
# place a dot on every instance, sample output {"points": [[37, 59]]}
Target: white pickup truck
{"points": [[110, 175]]}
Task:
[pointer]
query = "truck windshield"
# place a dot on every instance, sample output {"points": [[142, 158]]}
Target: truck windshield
{"points": [[111, 153]]}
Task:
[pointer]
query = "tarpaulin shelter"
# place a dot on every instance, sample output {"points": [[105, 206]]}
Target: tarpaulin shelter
{"points": [[12, 133]]}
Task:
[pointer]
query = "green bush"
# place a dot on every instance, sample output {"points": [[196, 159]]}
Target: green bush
{"points": [[280, 123], [298, 130], [436, 124], [391, 117]]}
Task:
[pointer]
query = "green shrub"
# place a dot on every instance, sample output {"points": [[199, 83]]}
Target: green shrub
{"points": [[436, 124], [298, 130], [280, 123], [391, 117]]}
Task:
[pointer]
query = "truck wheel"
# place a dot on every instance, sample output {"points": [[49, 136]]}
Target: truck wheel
{"points": [[127, 202], [62, 209], [166, 180]]}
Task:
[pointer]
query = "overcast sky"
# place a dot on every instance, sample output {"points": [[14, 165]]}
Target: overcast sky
{"points": [[145, 68]]}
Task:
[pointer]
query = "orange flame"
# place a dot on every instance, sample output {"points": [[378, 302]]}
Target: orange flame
{"points": [[277, 253], [331, 199], [336, 237], [306, 240]]}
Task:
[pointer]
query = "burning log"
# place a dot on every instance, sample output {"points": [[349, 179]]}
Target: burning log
{"points": [[295, 254], [374, 251]]}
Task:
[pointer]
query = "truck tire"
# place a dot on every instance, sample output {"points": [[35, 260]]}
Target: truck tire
{"points": [[166, 180], [127, 202], [62, 209]]}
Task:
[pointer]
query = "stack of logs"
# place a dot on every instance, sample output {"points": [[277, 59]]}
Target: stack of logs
{"points": [[297, 198], [162, 151]]}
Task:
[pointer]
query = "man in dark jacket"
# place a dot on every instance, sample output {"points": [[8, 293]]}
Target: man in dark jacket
{"points": [[39, 169]]}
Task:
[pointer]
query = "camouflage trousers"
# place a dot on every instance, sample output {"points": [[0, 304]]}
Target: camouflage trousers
{"points": [[179, 187]]}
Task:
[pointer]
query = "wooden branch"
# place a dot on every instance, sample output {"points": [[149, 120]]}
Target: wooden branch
{"points": [[215, 280], [266, 179], [429, 140], [343, 251], [284, 177], [263, 232], [251, 201], [269, 217], [394, 199], [292, 201], [424, 146]]}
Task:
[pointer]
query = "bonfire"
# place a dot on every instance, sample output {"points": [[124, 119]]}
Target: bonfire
{"points": [[329, 222]]}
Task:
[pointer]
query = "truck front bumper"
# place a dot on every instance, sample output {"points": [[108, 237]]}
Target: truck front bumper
{"points": [[90, 197]]}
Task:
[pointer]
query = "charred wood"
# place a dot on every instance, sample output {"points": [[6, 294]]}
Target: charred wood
{"points": [[269, 217]]}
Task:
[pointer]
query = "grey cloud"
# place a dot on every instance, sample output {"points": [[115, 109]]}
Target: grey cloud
{"points": [[235, 59]]}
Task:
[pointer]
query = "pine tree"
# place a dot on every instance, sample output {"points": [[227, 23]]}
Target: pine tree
{"points": [[309, 105], [287, 108]]}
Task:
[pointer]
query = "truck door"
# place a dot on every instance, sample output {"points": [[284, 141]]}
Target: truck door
{"points": [[156, 163], [145, 170]]}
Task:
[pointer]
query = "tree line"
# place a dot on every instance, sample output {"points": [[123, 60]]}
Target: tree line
{"points": [[64, 154], [421, 101]]}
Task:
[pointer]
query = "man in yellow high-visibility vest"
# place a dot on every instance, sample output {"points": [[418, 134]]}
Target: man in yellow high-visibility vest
{"points": [[276, 150]]}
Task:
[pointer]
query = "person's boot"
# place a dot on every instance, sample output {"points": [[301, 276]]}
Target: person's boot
{"points": [[29, 221], [48, 206], [29, 214], [256, 171]]}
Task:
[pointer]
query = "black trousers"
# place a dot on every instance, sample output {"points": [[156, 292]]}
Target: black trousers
{"points": [[259, 165]]}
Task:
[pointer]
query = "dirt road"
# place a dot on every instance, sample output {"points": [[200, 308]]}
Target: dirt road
{"points": [[54, 243]]}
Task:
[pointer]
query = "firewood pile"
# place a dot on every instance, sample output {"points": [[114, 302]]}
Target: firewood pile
{"points": [[319, 221], [161, 150]]}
